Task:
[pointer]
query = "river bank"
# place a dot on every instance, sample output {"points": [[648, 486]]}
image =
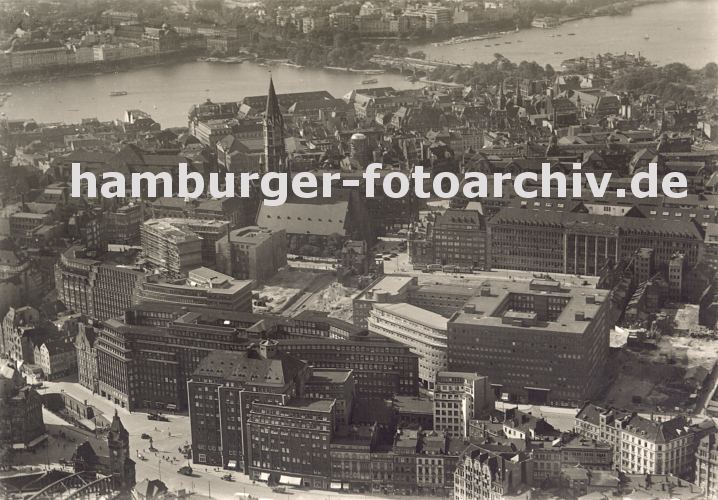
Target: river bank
{"points": [[476, 33], [680, 31], [663, 31], [95, 69]]}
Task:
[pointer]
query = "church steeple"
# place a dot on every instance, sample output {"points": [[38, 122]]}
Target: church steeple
{"points": [[517, 95], [275, 152], [502, 97]]}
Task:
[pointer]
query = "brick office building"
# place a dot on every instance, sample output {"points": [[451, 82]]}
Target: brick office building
{"points": [[519, 335], [221, 392], [292, 441], [95, 288], [382, 368], [579, 243]]}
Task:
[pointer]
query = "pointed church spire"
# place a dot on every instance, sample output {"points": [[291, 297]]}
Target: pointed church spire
{"points": [[502, 97], [275, 151], [272, 112], [517, 94]]}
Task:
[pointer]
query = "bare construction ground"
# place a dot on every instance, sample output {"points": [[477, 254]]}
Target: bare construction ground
{"points": [[662, 376], [294, 290]]}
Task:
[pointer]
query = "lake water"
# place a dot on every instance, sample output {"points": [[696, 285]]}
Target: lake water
{"points": [[683, 30]]}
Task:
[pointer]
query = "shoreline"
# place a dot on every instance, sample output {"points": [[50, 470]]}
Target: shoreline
{"points": [[90, 69], [85, 70]]}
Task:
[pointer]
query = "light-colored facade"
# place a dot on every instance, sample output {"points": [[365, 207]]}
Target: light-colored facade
{"points": [[57, 357], [253, 252], [203, 287], [458, 398], [423, 331], [641, 445], [171, 246], [483, 474], [707, 466]]}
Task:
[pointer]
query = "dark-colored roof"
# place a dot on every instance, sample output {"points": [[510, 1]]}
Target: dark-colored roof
{"points": [[248, 367], [629, 225]]}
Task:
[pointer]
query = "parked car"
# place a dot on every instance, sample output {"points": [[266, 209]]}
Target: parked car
{"points": [[145, 436], [157, 416]]}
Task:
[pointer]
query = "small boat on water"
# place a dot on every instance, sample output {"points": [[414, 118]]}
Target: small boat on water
{"points": [[646, 37], [369, 81], [117, 93]]}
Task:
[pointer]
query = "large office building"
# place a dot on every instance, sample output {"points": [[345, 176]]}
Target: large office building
{"points": [[252, 252], [178, 245], [292, 440], [382, 368], [203, 287], [265, 412], [455, 237], [537, 342], [222, 390], [444, 300], [96, 288], [145, 357], [580, 243], [387, 289], [458, 399], [421, 330]]}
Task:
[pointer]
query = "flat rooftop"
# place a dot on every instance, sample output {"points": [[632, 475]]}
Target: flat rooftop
{"points": [[329, 375], [415, 315], [414, 404], [323, 405], [498, 306], [391, 285], [446, 289], [464, 375]]}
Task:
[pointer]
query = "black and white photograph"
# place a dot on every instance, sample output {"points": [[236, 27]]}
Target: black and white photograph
{"points": [[358, 249]]}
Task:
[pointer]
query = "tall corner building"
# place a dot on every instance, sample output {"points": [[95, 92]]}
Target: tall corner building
{"points": [[536, 342], [275, 152]]}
